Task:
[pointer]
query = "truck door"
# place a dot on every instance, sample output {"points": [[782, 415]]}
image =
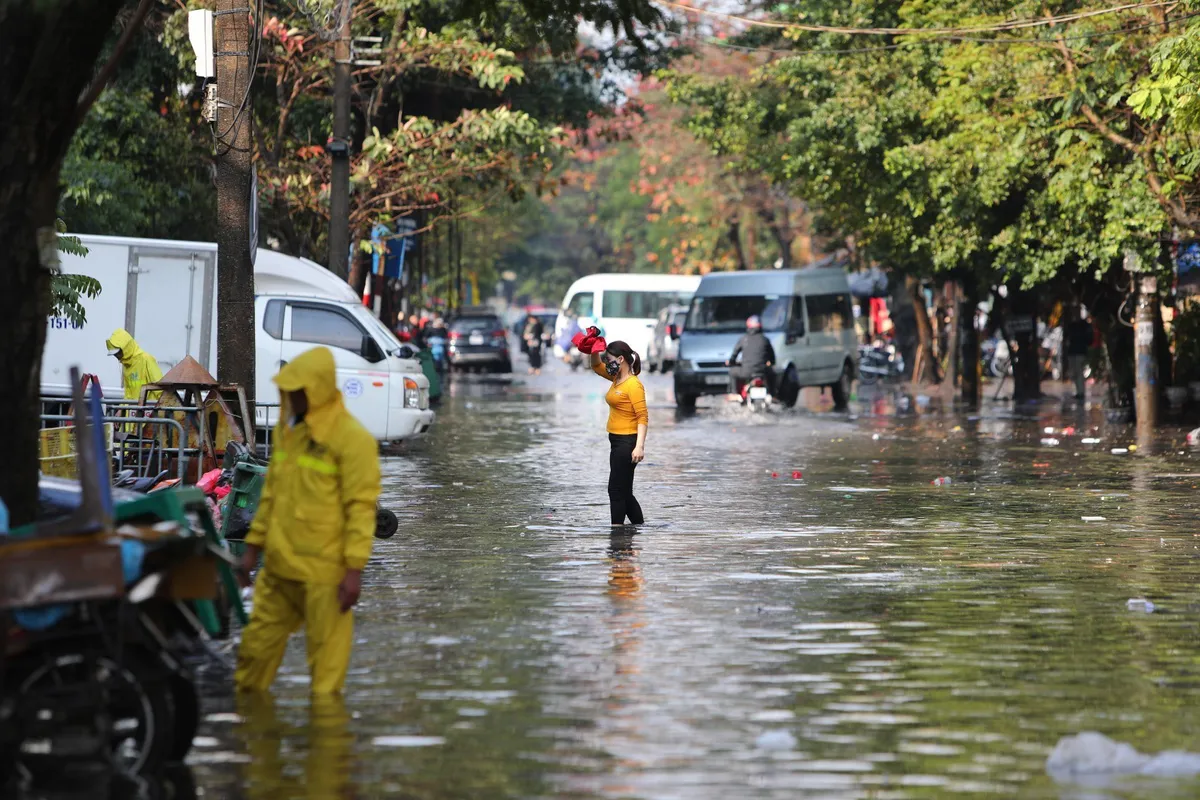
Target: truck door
{"points": [[362, 367], [170, 316]]}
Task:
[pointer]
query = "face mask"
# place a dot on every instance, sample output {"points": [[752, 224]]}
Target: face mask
{"points": [[612, 368]]}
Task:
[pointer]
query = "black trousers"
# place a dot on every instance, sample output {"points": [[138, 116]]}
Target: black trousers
{"points": [[535, 357], [620, 480]]}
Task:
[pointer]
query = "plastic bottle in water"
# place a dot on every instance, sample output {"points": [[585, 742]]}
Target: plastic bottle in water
{"points": [[940, 482]]}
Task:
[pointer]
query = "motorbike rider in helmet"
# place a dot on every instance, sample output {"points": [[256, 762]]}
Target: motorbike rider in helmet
{"points": [[758, 358]]}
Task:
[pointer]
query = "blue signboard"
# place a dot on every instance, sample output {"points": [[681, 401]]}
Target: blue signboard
{"points": [[394, 247]]}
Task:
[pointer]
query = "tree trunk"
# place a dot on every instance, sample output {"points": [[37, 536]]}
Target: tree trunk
{"points": [[970, 345], [1104, 300], [903, 317], [953, 335], [927, 371], [1026, 357], [734, 233], [47, 53]]}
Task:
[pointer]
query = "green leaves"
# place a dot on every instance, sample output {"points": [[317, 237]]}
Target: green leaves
{"points": [[66, 290]]}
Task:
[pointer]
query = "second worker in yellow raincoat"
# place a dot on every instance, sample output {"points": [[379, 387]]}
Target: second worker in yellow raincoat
{"points": [[315, 527], [137, 366]]}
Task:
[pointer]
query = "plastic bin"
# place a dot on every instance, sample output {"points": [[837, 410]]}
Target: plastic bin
{"points": [[242, 504]]}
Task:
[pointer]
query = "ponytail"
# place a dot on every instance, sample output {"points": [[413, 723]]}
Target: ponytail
{"points": [[628, 353]]}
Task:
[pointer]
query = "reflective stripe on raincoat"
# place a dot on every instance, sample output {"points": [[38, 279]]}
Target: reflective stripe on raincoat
{"points": [[316, 516], [138, 366]]}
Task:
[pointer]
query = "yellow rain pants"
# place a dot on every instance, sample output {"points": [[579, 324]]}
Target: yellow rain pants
{"points": [[282, 607]]}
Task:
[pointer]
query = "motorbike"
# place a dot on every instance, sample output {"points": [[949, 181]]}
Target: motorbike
{"points": [[755, 393], [994, 355], [879, 362]]}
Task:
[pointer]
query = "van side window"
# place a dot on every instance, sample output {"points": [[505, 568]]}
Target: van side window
{"points": [[273, 319], [632, 305], [796, 323], [327, 327], [582, 304], [829, 313]]}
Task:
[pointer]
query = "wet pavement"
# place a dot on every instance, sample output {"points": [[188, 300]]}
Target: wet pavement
{"points": [[849, 632]]}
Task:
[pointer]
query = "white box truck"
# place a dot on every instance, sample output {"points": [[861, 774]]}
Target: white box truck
{"points": [[165, 294]]}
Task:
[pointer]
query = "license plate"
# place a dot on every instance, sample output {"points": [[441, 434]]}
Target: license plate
{"points": [[716, 380], [475, 339], [758, 393]]}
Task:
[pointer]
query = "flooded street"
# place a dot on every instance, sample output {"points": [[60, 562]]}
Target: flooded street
{"points": [[849, 632]]}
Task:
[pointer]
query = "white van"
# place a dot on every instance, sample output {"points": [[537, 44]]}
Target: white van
{"points": [[806, 314], [625, 305], [165, 294]]}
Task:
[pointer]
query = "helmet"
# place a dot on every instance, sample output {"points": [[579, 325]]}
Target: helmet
{"points": [[753, 323]]}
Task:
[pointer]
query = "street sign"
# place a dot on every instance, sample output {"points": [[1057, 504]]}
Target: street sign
{"points": [[1020, 324]]}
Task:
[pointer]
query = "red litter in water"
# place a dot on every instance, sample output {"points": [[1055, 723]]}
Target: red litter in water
{"points": [[774, 474], [797, 475]]}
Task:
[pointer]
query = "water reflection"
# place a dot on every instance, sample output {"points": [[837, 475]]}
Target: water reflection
{"points": [[850, 632], [323, 743]]}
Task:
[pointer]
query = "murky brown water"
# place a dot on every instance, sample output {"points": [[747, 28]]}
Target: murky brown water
{"points": [[853, 633]]}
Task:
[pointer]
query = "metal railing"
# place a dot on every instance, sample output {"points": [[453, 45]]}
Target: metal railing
{"points": [[147, 452]]}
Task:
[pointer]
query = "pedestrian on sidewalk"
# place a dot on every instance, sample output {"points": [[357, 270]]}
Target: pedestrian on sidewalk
{"points": [[1079, 335], [628, 421], [314, 528]]}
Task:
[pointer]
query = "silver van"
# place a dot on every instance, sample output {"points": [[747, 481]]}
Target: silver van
{"points": [[806, 314]]}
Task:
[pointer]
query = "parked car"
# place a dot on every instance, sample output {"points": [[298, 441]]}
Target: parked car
{"points": [[664, 342], [806, 314], [478, 341]]}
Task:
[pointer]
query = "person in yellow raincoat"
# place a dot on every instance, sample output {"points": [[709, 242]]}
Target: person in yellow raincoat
{"points": [[137, 366], [315, 527]]}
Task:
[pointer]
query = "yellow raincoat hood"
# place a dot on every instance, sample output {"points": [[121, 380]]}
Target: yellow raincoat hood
{"points": [[121, 340], [314, 372]]}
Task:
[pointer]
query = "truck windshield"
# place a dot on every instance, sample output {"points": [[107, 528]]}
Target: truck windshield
{"points": [[385, 337], [728, 314]]}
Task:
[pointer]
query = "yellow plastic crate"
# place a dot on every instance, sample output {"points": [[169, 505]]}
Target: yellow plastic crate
{"points": [[58, 450]]}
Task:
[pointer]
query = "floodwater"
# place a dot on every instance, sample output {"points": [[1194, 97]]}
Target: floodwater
{"points": [[850, 632]]}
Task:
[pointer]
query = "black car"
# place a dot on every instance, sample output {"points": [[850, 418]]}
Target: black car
{"points": [[478, 341]]}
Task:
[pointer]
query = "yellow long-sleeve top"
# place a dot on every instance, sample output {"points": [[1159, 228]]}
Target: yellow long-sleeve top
{"points": [[626, 404]]}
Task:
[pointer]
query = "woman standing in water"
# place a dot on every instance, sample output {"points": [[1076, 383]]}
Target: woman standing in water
{"points": [[627, 422]]}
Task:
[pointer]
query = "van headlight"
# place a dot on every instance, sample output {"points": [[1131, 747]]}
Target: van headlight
{"points": [[412, 394]]}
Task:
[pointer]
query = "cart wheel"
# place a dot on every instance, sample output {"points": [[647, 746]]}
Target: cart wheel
{"points": [[138, 701], [386, 523]]}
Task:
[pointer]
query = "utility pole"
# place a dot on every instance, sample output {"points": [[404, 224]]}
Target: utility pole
{"points": [[339, 149], [236, 209], [1145, 356]]}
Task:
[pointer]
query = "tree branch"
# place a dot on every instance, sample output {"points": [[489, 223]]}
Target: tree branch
{"points": [[1100, 125], [88, 99]]}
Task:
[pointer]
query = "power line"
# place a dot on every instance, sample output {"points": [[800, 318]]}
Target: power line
{"points": [[850, 31], [945, 38]]}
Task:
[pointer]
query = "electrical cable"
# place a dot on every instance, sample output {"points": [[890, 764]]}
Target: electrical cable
{"points": [[951, 39], [997, 27], [219, 137]]}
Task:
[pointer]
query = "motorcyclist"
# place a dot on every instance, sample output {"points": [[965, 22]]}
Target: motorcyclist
{"points": [[758, 357]]}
